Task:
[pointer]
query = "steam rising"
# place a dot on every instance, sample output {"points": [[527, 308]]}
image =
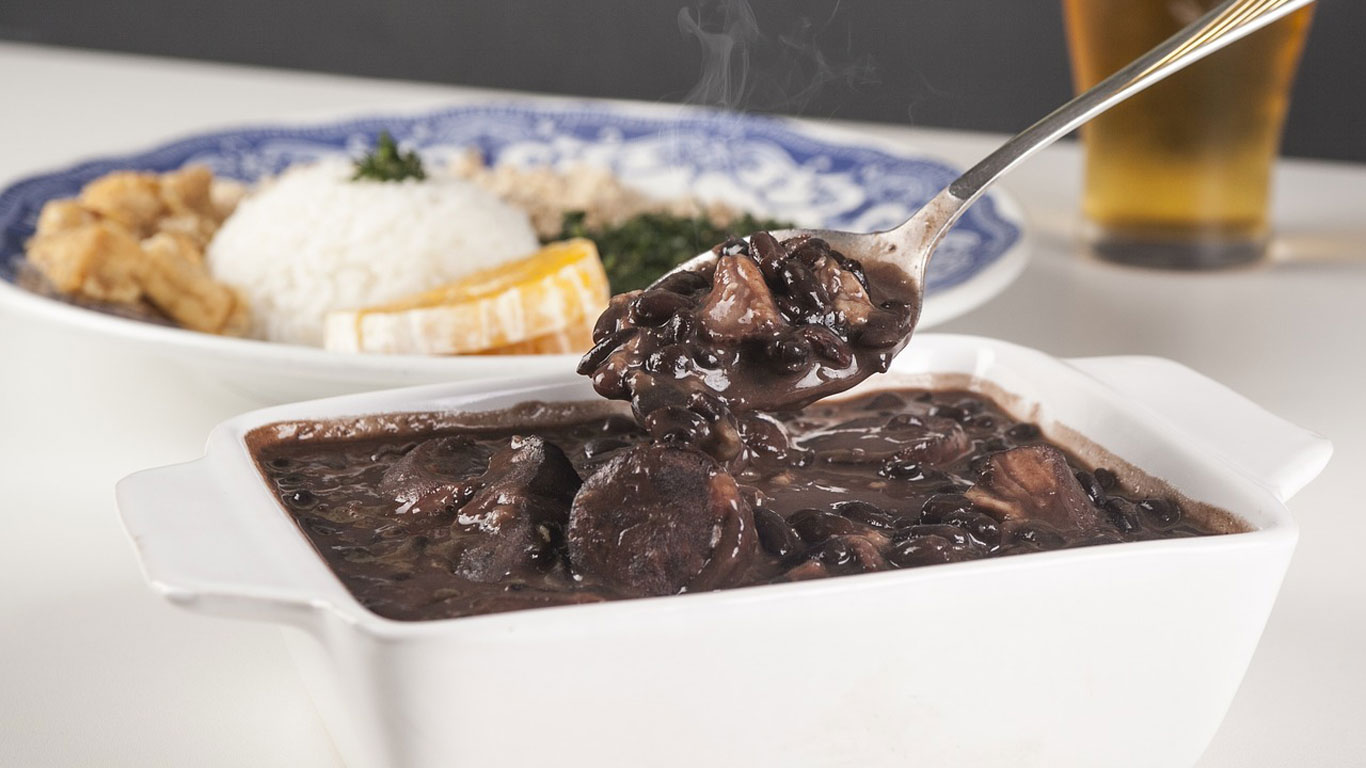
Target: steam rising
{"points": [[742, 68]]}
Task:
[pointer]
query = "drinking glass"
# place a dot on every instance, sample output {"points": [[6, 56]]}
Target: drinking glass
{"points": [[1179, 175]]}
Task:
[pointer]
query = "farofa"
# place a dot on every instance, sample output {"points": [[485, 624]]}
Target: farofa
{"points": [[547, 194]]}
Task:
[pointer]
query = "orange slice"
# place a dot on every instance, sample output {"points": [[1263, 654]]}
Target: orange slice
{"points": [[575, 340], [558, 288]]}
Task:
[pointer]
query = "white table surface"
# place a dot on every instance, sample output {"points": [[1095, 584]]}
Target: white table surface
{"points": [[95, 670]]}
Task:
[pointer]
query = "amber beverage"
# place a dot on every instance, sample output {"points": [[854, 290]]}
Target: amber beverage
{"points": [[1179, 175]]}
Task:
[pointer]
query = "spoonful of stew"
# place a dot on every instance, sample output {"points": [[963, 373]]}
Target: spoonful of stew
{"points": [[781, 319]]}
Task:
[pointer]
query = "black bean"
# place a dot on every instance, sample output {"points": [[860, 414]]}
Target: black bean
{"points": [[980, 525], [900, 467], [602, 350], [1092, 486], [939, 508], [610, 382], [827, 345], [969, 405], [732, 247], [981, 421], [654, 307], [707, 357], [865, 513], [679, 328], [301, 499], [1122, 515], [764, 437], [1023, 432], [855, 267], [789, 355], [676, 424], [775, 534], [463, 495], [609, 322], [791, 309], [616, 424], [672, 360], [882, 329], [805, 286], [683, 282], [904, 421], [1107, 479], [948, 412], [921, 550], [707, 405], [906, 519], [817, 525], [808, 251], [795, 280], [954, 535], [769, 253], [291, 480], [834, 553], [885, 401]]}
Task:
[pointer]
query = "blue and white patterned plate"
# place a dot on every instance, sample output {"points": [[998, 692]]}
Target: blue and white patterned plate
{"points": [[812, 176]]}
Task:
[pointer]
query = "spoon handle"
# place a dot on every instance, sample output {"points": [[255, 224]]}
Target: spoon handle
{"points": [[1224, 24]]}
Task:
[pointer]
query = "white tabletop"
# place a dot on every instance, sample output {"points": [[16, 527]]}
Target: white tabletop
{"points": [[96, 670]]}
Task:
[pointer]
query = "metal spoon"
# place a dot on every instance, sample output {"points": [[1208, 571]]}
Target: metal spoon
{"points": [[911, 244]]}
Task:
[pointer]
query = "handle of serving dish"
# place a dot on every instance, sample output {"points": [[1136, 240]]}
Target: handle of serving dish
{"points": [[204, 551], [1270, 450]]}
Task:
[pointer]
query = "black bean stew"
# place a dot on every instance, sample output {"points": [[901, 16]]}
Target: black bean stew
{"points": [[518, 511], [771, 326]]}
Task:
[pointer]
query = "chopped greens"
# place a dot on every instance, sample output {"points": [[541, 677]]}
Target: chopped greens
{"points": [[386, 163], [638, 251]]}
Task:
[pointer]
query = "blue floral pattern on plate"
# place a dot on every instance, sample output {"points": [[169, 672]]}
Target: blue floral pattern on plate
{"points": [[765, 165]]}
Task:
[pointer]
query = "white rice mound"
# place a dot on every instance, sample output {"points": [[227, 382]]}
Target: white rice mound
{"points": [[313, 241]]}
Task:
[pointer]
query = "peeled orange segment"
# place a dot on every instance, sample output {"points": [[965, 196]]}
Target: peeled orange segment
{"points": [[558, 288], [575, 340]]}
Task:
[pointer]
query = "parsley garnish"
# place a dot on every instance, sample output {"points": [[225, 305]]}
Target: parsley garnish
{"points": [[387, 163]]}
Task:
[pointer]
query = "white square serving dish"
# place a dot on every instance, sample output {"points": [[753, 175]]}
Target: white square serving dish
{"points": [[1120, 656]]}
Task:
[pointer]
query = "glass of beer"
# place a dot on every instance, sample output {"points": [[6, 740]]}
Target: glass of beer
{"points": [[1179, 175]]}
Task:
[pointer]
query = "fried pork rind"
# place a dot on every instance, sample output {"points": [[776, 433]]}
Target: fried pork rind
{"points": [[127, 198], [99, 260], [140, 237], [59, 215], [187, 194], [175, 280]]}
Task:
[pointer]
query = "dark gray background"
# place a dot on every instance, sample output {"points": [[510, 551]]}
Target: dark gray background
{"points": [[979, 64]]}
